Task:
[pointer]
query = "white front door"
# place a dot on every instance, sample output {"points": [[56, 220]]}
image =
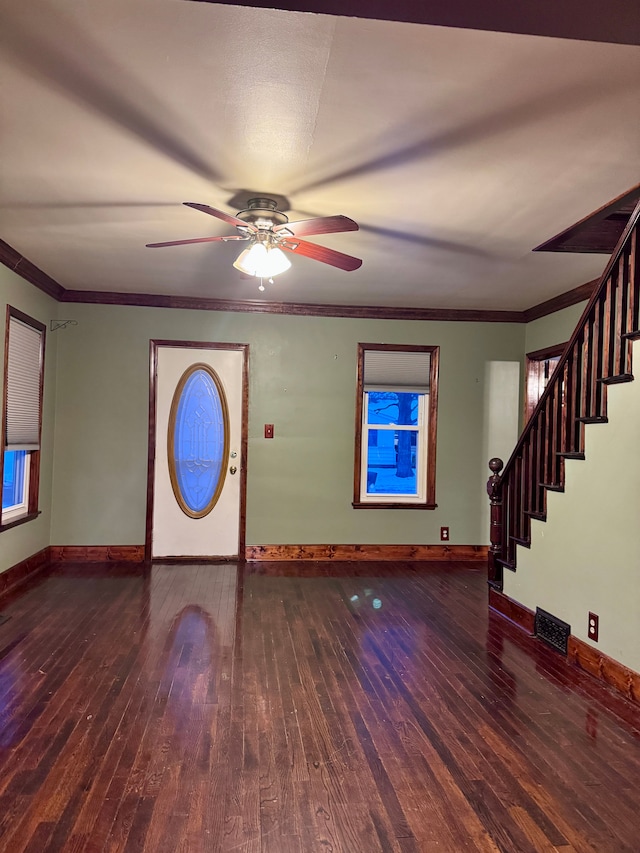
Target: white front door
{"points": [[180, 528]]}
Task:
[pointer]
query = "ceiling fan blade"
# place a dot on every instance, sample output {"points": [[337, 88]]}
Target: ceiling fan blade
{"points": [[195, 240], [220, 214], [319, 225], [322, 254]]}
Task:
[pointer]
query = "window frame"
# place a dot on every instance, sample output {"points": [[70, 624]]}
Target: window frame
{"points": [[13, 517], [173, 450], [18, 510], [362, 501]]}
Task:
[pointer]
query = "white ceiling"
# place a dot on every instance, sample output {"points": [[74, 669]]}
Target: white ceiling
{"points": [[457, 151]]}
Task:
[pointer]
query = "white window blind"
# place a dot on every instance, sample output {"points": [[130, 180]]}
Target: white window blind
{"points": [[23, 386], [397, 368]]}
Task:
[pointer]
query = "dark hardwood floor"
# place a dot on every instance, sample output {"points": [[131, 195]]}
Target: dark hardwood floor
{"points": [[300, 707]]}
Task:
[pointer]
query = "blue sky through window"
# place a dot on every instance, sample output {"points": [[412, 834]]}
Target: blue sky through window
{"points": [[13, 478]]}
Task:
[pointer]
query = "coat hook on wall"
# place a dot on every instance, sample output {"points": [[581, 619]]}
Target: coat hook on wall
{"points": [[54, 325]]}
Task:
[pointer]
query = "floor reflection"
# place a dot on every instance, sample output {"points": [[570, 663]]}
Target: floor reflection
{"points": [[192, 612]]}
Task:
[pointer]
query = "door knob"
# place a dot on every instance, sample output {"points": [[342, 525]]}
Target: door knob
{"points": [[233, 469]]}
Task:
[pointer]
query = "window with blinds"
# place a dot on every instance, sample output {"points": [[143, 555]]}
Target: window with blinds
{"points": [[21, 422], [396, 426], [397, 369]]}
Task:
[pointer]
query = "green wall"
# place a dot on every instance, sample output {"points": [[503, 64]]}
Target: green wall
{"points": [[553, 329], [22, 541], [302, 379]]}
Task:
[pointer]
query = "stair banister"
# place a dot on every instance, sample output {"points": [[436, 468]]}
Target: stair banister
{"points": [[598, 353]]}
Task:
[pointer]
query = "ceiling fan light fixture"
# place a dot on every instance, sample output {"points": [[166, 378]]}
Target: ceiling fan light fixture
{"points": [[276, 262], [262, 261], [247, 259]]}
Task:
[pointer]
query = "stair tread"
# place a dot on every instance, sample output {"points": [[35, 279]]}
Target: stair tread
{"points": [[631, 336], [539, 516], [571, 454], [552, 487], [616, 380], [507, 564], [526, 543], [593, 419]]}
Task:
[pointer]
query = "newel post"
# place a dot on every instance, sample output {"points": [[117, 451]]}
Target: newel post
{"points": [[494, 491]]}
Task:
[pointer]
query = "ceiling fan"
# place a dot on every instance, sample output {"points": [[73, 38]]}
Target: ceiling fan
{"points": [[270, 234]]}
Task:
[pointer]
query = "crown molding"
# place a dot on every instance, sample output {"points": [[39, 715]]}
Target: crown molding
{"points": [[33, 274], [30, 272], [378, 312], [572, 297]]}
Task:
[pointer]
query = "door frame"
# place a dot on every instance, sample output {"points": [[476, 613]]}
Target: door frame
{"points": [[154, 346], [533, 363]]}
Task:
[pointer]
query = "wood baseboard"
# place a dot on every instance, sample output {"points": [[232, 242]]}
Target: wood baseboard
{"points": [[579, 653], [512, 610], [23, 571], [623, 679], [96, 553], [275, 553]]}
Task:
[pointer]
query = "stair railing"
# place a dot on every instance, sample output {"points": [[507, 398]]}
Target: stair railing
{"points": [[597, 355]]}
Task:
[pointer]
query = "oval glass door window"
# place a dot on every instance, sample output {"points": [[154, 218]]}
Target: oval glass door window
{"points": [[198, 440]]}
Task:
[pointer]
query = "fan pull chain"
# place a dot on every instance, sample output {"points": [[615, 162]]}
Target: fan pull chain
{"points": [[261, 285]]}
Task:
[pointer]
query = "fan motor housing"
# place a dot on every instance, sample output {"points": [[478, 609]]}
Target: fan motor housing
{"points": [[262, 212]]}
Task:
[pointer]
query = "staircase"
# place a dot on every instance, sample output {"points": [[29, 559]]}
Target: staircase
{"points": [[598, 354]]}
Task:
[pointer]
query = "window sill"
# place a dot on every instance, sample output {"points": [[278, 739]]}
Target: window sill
{"points": [[15, 522], [390, 505]]}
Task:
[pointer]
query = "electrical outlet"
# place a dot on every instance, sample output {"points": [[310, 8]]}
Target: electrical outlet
{"points": [[268, 430], [444, 534], [594, 624]]}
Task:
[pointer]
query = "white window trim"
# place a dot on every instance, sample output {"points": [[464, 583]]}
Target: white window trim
{"points": [[421, 446], [12, 513]]}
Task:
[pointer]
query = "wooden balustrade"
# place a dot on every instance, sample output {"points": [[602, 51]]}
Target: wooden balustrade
{"points": [[597, 355]]}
